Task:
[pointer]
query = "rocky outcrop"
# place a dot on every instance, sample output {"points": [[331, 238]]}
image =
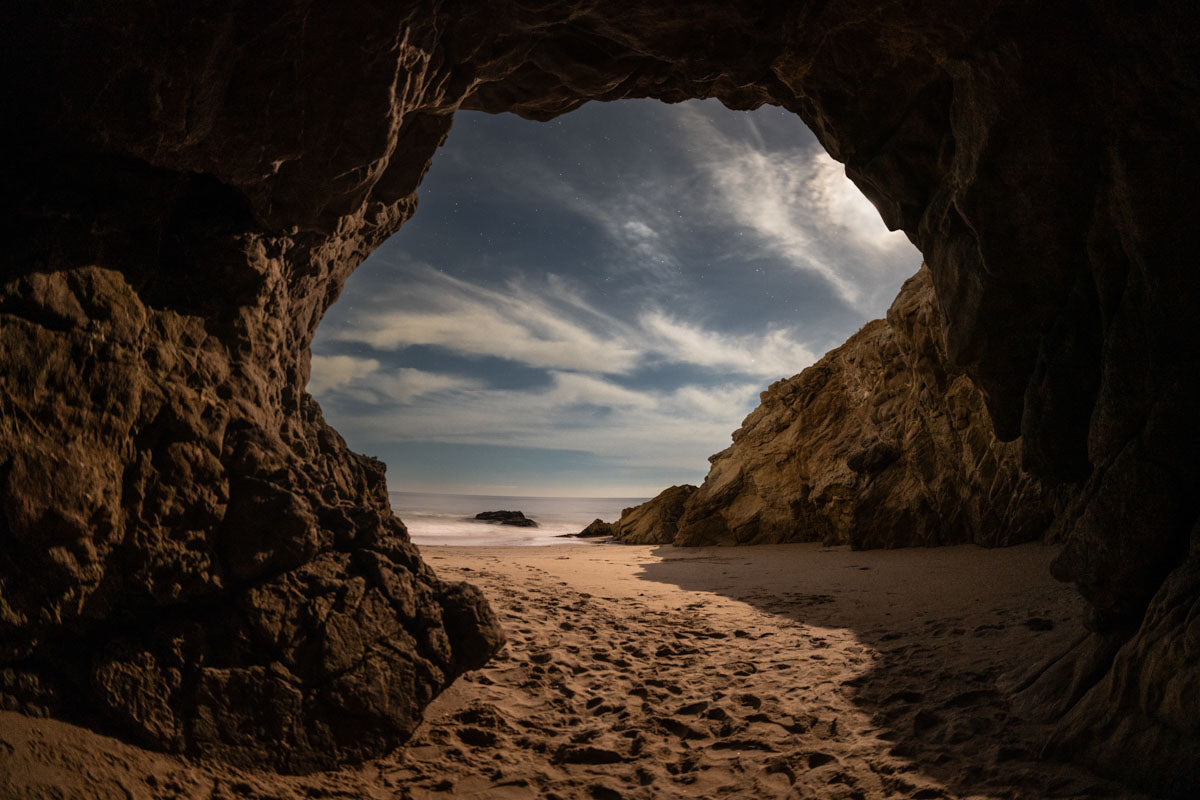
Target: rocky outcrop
{"points": [[197, 575], [881, 443], [515, 518], [227, 166], [190, 557], [654, 521], [595, 529]]}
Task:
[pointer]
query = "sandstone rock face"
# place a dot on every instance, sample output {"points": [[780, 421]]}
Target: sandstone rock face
{"points": [[221, 168], [881, 443], [196, 575], [656, 520]]}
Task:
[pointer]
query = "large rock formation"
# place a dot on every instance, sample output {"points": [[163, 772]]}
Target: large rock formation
{"points": [[881, 443], [656, 520], [190, 185], [199, 575]]}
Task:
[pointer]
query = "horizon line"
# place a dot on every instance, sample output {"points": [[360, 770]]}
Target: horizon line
{"points": [[534, 496]]}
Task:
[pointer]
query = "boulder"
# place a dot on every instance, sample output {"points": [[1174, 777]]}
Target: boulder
{"points": [[595, 529], [514, 518]]}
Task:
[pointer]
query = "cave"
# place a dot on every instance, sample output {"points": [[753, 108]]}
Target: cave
{"points": [[188, 190]]}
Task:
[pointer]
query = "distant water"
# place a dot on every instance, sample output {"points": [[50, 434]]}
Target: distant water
{"points": [[447, 518]]}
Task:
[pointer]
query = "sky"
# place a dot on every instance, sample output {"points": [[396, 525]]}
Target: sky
{"points": [[590, 306]]}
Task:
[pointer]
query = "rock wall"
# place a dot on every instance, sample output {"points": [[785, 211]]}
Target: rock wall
{"points": [[224, 166], [881, 443], [197, 575], [189, 556]]}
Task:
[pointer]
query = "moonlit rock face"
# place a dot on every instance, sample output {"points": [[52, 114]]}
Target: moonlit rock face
{"points": [[881, 443]]}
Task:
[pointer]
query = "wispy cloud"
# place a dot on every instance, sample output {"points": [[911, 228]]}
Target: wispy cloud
{"points": [[647, 306], [404, 385], [785, 202], [549, 325], [330, 372], [366, 380], [636, 217], [587, 404], [801, 206], [773, 354], [665, 428]]}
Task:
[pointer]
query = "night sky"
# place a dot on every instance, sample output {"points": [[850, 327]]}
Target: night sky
{"points": [[590, 306]]}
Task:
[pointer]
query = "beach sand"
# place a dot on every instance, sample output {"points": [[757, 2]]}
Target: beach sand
{"points": [[789, 671]]}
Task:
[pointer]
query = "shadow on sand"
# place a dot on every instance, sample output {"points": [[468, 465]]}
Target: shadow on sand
{"points": [[944, 630]]}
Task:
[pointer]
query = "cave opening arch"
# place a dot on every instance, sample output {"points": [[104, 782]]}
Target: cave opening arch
{"points": [[630, 267], [193, 191]]}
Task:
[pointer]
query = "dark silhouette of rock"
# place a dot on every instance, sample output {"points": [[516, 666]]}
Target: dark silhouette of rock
{"points": [[654, 521], [188, 189], [595, 529], [514, 518], [881, 443]]}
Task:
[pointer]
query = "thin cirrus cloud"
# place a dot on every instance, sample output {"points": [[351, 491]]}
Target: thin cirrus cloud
{"points": [[330, 372], [365, 380], [785, 201], [772, 354], [552, 330], [550, 326], [802, 207], [576, 412]]}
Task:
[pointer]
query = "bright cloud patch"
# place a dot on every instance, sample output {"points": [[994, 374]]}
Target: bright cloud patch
{"points": [[773, 354], [512, 323], [841, 204], [552, 327], [800, 205], [330, 372], [676, 429]]}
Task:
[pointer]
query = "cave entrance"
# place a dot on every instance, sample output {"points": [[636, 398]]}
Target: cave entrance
{"points": [[587, 308], [580, 313]]}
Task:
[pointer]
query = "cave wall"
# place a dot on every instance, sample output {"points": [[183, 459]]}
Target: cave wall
{"points": [[188, 190], [189, 556]]}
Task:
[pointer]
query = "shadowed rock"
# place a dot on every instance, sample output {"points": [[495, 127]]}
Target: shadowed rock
{"points": [[514, 518], [595, 529], [654, 521]]}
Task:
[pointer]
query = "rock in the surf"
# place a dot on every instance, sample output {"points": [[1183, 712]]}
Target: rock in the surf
{"points": [[514, 518]]}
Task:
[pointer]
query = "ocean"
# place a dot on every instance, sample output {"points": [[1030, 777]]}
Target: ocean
{"points": [[447, 518]]}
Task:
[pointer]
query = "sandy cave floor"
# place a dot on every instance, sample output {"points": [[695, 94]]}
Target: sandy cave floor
{"points": [[790, 671]]}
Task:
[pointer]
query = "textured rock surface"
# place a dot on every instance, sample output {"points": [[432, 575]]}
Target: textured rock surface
{"points": [[227, 165], [881, 443], [220, 578], [514, 518], [595, 529], [656, 520], [1145, 704]]}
